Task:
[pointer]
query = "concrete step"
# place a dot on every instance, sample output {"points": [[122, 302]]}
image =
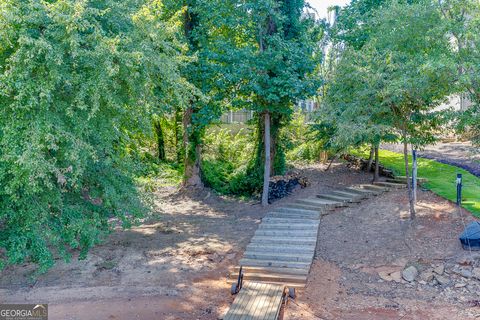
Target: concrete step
{"points": [[281, 240], [268, 270], [285, 248], [277, 256], [288, 226], [287, 233], [391, 185], [352, 195], [337, 198], [275, 264]]}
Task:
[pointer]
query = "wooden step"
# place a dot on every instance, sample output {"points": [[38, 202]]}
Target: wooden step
{"points": [[296, 210], [268, 270], [319, 209], [286, 233], [277, 256], [287, 279], [265, 225], [374, 188], [352, 195], [337, 198], [284, 240], [403, 179], [312, 214], [301, 249], [284, 215], [275, 264], [361, 191], [320, 202], [294, 220], [391, 185]]}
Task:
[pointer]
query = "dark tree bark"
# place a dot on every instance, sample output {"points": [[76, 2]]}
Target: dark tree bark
{"points": [[370, 159], [160, 139], [192, 174], [376, 175]]}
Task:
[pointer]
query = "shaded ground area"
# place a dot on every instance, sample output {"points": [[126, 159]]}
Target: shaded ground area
{"points": [[460, 154], [173, 266], [358, 247]]}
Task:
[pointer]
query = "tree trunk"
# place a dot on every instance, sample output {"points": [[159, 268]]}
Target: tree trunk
{"points": [[178, 135], [192, 149], [407, 174], [370, 159], [266, 173], [414, 175], [376, 175], [160, 139]]}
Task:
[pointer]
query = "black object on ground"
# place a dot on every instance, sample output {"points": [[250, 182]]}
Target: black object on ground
{"points": [[470, 238]]}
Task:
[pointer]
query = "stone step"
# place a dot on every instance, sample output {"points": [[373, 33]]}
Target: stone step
{"points": [[281, 240], [391, 185], [286, 233], [352, 195], [337, 198], [277, 256], [275, 264], [288, 226], [285, 248]]}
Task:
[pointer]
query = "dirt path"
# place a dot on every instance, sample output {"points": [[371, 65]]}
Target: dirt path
{"points": [[357, 244], [460, 154], [173, 266]]}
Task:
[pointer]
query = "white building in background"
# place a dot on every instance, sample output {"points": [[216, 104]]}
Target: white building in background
{"points": [[457, 102]]}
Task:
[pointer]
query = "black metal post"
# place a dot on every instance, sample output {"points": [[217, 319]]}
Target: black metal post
{"points": [[459, 189]]}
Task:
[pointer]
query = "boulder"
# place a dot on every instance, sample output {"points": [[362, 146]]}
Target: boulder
{"points": [[410, 273]]}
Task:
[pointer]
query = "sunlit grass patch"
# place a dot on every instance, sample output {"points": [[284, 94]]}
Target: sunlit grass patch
{"points": [[441, 178]]}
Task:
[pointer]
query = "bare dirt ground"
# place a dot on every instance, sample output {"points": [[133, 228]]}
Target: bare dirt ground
{"points": [[174, 265]]}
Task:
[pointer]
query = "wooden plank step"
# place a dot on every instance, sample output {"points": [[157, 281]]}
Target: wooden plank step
{"points": [[374, 188], [350, 194], [403, 179], [391, 185], [275, 264], [276, 256], [319, 209], [284, 215], [303, 249], [286, 233], [337, 198], [298, 213], [320, 202], [269, 225], [257, 301], [360, 191], [281, 240], [290, 281], [296, 210], [294, 220], [268, 270]]}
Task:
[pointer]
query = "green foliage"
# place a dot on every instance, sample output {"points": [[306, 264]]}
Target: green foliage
{"points": [[441, 178], [226, 160], [300, 140], [78, 79]]}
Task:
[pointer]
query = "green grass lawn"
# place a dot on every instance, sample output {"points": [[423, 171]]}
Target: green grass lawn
{"points": [[441, 178]]}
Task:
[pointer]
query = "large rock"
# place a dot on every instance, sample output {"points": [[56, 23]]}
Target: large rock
{"points": [[427, 276], [410, 273], [443, 281], [440, 269]]}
